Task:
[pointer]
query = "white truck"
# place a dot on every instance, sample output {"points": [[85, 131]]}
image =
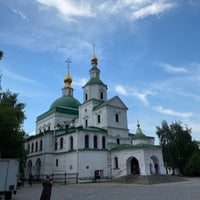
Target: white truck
{"points": [[9, 169]]}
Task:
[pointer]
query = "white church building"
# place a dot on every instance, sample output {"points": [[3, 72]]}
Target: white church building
{"points": [[90, 137]]}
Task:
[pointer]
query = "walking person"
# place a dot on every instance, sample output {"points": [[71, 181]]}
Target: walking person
{"points": [[46, 191], [30, 179]]}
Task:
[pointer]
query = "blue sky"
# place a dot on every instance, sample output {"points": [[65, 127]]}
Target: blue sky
{"points": [[147, 50]]}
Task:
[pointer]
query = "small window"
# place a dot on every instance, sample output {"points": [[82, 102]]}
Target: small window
{"points": [[98, 119], [116, 117], [86, 97], [56, 162], [116, 163], [86, 123]]}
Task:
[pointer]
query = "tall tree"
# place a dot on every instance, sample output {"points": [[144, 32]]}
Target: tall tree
{"points": [[11, 120], [177, 144]]}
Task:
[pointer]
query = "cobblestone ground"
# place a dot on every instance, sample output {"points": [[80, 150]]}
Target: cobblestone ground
{"points": [[187, 190]]}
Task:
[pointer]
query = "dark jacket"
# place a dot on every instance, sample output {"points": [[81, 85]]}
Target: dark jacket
{"points": [[46, 191]]}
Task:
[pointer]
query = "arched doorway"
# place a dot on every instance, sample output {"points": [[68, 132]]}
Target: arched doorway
{"points": [[29, 167], [38, 168], [155, 162], [133, 166]]}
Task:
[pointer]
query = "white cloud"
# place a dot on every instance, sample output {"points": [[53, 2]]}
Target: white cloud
{"points": [[154, 8], [172, 69], [19, 77], [20, 13], [137, 9], [79, 81], [141, 95], [68, 9], [162, 110], [121, 90]]}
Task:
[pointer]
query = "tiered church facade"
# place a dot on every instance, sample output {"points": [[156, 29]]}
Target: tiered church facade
{"points": [[74, 137]]}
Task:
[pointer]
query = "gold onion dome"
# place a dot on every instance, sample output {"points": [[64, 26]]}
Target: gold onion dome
{"points": [[94, 60], [67, 81]]}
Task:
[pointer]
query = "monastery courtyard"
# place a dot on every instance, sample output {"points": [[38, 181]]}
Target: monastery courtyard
{"points": [[186, 190]]}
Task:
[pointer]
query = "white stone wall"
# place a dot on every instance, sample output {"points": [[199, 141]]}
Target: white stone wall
{"points": [[89, 161], [67, 162], [51, 122], [143, 155], [93, 91]]}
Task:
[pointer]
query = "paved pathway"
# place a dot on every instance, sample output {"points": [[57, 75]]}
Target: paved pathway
{"points": [[187, 190]]}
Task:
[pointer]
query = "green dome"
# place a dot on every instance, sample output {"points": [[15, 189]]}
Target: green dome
{"points": [[65, 101]]}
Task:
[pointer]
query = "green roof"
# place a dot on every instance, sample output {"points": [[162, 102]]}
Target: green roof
{"points": [[65, 101], [129, 146], [139, 136], [94, 81], [65, 110]]}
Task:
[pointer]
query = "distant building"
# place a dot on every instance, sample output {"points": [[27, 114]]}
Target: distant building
{"points": [[82, 138]]}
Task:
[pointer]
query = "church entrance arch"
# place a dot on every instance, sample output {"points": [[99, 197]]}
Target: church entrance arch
{"points": [[133, 166], [155, 169]]}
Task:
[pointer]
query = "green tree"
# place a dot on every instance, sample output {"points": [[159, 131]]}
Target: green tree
{"points": [[1, 54], [192, 168], [177, 144], [11, 120]]}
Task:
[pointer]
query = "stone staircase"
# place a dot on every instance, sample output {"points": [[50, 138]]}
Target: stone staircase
{"points": [[151, 179]]}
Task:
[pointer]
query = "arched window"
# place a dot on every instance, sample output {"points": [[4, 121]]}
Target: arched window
{"points": [[28, 148], [32, 148], [103, 142], [56, 162], [86, 141], [61, 143], [118, 141], [101, 95], [40, 145], [56, 145], [86, 123], [116, 117], [36, 146], [71, 143], [98, 119], [95, 142]]}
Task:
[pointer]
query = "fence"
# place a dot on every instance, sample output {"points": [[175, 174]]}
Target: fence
{"points": [[57, 177]]}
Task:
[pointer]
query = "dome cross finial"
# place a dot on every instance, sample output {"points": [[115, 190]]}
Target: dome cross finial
{"points": [[68, 79], [94, 49], [94, 59], [68, 61]]}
